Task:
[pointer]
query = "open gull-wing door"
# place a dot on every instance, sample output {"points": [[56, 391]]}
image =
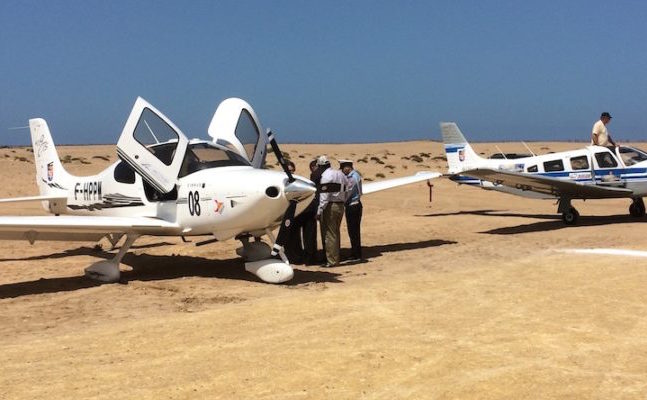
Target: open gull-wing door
{"points": [[236, 126], [153, 146]]}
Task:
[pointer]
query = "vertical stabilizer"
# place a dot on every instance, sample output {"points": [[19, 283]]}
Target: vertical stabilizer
{"points": [[50, 175], [460, 155]]}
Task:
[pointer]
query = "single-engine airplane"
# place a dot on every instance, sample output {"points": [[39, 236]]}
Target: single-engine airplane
{"points": [[167, 185], [594, 172]]}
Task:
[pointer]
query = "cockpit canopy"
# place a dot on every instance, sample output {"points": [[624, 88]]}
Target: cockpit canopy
{"points": [[199, 156]]}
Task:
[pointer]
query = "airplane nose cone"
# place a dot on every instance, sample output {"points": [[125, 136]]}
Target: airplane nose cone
{"points": [[299, 190]]}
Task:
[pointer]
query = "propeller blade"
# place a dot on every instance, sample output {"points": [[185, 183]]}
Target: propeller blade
{"points": [[284, 230], [279, 155]]}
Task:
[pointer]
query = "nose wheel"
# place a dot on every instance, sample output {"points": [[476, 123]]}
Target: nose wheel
{"points": [[637, 208]]}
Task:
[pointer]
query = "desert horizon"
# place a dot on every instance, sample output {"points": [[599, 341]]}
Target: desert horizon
{"points": [[471, 295]]}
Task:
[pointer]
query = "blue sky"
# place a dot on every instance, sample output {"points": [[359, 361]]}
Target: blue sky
{"points": [[333, 71]]}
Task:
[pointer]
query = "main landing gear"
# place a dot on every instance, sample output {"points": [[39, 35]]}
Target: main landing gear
{"points": [[637, 208], [108, 270], [569, 213]]}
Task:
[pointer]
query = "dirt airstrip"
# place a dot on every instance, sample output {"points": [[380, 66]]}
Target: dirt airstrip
{"points": [[464, 297]]}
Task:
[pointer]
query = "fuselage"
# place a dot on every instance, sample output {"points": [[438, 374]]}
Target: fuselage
{"points": [[624, 167], [223, 201]]}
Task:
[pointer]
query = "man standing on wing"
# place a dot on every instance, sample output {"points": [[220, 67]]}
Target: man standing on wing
{"points": [[600, 135]]}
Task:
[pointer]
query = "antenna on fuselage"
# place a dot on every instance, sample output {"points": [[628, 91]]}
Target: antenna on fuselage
{"points": [[501, 152], [528, 148]]}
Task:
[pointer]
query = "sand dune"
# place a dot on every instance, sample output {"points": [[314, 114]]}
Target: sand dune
{"points": [[469, 296]]}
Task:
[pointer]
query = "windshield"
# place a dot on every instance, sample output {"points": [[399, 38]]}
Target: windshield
{"points": [[631, 156], [205, 155]]}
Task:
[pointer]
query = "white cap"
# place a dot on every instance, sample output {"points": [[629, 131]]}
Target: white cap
{"points": [[322, 160], [342, 162]]}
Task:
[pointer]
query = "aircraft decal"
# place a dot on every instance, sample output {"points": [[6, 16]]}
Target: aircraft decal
{"points": [[87, 191], [50, 171], [41, 145], [53, 185], [220, 206], [115, 200], [453, 148]]}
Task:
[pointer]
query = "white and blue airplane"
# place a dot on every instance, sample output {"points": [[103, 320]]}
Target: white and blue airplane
{"points": [[594, 172], [167, 185]]}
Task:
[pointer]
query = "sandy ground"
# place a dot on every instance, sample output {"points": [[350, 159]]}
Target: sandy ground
{"points": [[464, 297]]}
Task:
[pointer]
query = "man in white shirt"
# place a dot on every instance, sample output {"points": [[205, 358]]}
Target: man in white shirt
{"points": [[600, 135], [330, 212]]}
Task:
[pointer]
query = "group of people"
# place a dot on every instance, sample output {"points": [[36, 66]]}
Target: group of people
{"points": [[339, 193]]}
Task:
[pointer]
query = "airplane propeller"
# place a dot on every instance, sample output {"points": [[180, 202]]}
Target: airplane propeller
{"points": [[288, 217], [279, 155]]}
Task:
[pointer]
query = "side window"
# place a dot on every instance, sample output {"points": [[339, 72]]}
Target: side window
{"points": [[580, 162], [247, 133], [124, 174], [555, 165], [605, 160], [532, 168], [152, 130]]}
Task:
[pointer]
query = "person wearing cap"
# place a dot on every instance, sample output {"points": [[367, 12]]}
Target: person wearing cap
{"points": [[331, 208], [353, 208], [600, 135]]}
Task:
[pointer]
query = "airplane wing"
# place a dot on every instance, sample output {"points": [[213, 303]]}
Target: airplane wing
{"points": [[550, 186], [372, 187], [33, 198], [80, 228]]}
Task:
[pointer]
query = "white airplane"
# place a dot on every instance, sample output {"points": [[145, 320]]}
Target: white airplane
{"points": [[594, 172], [168, 185]]}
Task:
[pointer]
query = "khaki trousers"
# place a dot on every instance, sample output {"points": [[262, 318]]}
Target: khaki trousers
{"points": [[331, 221]]}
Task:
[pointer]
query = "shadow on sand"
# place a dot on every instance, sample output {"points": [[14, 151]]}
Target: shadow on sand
{"points": [[146, 267], [558, 224], [377, 250], [554, 223]]}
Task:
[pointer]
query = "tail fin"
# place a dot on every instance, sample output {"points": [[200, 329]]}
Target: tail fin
{"points": [[51, 178], [460, 155]]}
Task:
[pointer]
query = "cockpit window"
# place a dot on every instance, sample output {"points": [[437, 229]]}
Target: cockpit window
{"points": [[606, 160], [579, 162], [247, 133], [157, 136], [205, 155], [631, 156], [554, 165]]}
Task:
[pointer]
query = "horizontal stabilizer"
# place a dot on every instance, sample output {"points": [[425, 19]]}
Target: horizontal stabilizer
{"points": [[34, 198]]}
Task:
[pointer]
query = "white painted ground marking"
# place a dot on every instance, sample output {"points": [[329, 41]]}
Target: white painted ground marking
{"points": [[612, 252]]}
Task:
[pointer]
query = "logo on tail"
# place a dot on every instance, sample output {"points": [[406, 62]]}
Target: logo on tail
{"points": [[50, 171]]}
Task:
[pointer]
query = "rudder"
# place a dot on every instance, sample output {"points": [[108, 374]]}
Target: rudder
{"points": [[459, 153], [50, 174]]}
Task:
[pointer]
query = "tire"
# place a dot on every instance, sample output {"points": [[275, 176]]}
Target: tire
{"points": [[571, 216], [637, 209]]}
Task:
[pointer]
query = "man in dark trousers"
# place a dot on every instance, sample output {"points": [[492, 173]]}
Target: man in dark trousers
{"points": [[309, 220], [353, 209], [293, 249]]}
